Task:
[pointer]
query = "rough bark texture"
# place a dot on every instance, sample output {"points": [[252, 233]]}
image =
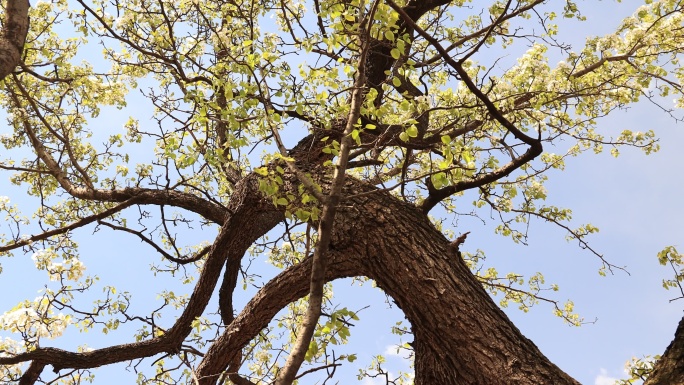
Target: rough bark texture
{"points": [[13, 35], [669, 370], [461, 336]]}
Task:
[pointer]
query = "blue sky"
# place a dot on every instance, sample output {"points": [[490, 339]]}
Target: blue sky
{"points": [[635, 200]]}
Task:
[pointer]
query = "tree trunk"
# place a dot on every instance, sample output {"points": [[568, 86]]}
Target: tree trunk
{"points": [[669, 370], [13, 35], [461, 336]]}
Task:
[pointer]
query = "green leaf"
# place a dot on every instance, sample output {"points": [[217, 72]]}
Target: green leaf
{"points": [[396, 54], [439, 180], [312, 351], [303, 215], [355, 136], [467, 156]]}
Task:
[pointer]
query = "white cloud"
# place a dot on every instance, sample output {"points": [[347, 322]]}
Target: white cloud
{"points": [[604, 379], [398, 352], [373, 381], [393, 350]]}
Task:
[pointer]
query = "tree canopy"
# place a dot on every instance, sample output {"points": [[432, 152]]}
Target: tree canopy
{"points": [[329, 138]]}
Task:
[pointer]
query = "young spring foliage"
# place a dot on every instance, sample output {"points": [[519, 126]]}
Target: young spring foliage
{"points": [[209, 132]]}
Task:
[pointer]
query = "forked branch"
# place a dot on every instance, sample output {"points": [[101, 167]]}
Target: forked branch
{"points": [[289, 372], [534, 150]]}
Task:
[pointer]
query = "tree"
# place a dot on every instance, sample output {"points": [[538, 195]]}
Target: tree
{"points": [[399, 119]]}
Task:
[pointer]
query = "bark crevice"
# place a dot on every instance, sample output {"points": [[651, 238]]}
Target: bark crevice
{"points": [[669, 370], [461, 336], [13, 37]]}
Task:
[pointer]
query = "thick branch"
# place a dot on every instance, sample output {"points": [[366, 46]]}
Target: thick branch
{"points": [[251, 220], [462, 337], [437, 196], [209, 210], [669, 370], [31, 374], [13, 35], [599, 63], [72, 226], [485, 30], [289, 372], [60, 359], [493, 110], [287, 287], [535, 144]]}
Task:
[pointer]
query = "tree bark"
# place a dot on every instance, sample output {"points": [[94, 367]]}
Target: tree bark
{"points": [[669, 370], [461, 336], [13, 36]]}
